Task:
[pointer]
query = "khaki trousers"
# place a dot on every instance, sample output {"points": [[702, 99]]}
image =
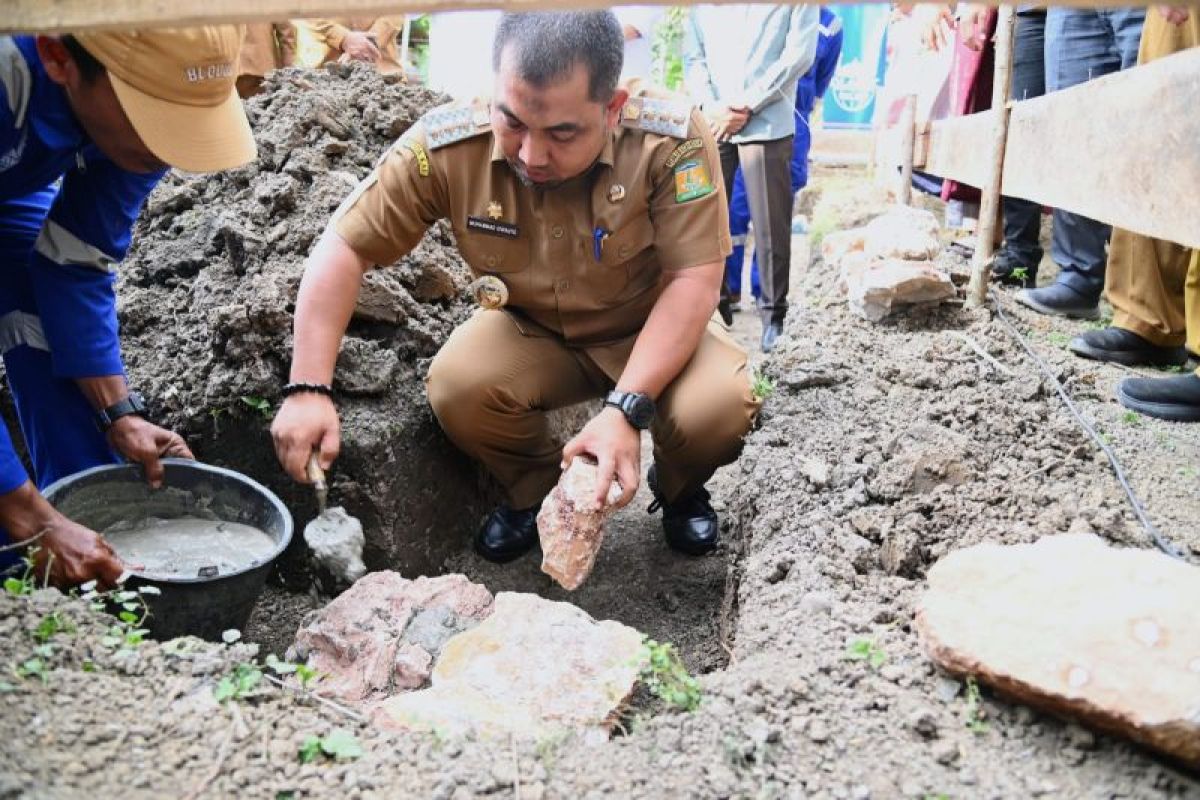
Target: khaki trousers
{"points": [[1146, 278], [491, 385]]}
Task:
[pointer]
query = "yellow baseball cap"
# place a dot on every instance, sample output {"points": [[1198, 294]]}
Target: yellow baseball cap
{"points": [[177, 88]]}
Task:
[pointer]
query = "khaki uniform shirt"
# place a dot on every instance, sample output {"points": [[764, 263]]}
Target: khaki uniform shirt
{"points": [[582, 260], [330, 32], [267, 46]]}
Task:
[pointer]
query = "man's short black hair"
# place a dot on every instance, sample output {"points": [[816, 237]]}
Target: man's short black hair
{"points": [[548, 44], [89, 68]]}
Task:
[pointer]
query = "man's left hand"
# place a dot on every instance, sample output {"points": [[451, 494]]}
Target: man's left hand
{"points": [[729, 122], [617, 447], [147, 444]]}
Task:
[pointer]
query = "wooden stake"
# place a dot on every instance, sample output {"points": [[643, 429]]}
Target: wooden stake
{"points": [[908, 135], [989, 206]]}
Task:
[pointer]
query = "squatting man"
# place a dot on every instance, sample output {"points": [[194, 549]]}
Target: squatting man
{"points": [[596, 213]]}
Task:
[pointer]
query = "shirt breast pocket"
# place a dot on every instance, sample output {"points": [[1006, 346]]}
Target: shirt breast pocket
{"points": [[493, 254], [626, 267]]}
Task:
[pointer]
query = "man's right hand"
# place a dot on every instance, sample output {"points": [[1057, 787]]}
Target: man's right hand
{"points": [[306, 422], [359, 47], [73, 553], [1176, 15]]}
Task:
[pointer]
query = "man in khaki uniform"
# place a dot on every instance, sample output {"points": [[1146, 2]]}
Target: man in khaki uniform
{"points": [[267, 46], [1155, 296], [369, 39], [598, 218]]}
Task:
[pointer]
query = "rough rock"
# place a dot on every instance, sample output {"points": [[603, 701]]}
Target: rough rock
{"points": [[571, 526], [838, 244], [535, 668], [903, 233], [336, 540], [383, 634], [877, 290], [1073, 626]]}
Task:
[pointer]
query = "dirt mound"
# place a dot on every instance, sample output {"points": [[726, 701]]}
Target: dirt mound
{"points": [[206, 307]]}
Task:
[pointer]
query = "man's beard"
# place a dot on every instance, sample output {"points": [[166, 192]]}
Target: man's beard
{"points": [[529, 182]]}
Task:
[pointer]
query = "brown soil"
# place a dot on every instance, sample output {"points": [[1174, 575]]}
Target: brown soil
{"points": [[883, 447]]}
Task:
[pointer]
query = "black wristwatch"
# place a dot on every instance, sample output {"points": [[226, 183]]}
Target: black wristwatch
{"points": [[133, 404], [638, 408]]}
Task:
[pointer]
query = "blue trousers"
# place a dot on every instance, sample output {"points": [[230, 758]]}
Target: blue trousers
{"points": [[739, 215], [1023, 218], [56, 420], [1082, 44]]}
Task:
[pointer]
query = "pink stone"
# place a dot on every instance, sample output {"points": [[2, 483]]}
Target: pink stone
{"points": [[571, 526], [383, 634]]}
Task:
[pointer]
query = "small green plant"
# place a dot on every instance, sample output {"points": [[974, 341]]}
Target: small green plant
{"points": [[866, 650], [303, 672], [339, 745], [33, 668], [1132, 418], [127, 632], [975, 711], [940, 796], [761, 386], [26, 582], [51, 624], [239, 684], [667, 677], [259, 404], [1021, 274], [1189, 473]]}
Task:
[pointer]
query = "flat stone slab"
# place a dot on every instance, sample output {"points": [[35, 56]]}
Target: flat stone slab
{"points": [[1072, 626], [534, 668], [876, 289]]}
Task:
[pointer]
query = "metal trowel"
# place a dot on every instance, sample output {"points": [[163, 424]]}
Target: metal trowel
{"points": [[335, 538]]}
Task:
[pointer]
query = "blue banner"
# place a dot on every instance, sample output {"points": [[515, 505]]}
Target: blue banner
{"points": [[850, 100]]}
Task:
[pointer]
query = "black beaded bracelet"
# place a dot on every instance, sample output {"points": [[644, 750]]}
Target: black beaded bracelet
{"points": [[313, 388]]}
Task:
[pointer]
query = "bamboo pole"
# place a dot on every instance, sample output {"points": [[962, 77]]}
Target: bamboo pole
{"points": [[989, 206], [908, 135]]}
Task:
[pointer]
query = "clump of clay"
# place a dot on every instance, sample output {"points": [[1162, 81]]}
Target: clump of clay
{"points": [[571, 526]]}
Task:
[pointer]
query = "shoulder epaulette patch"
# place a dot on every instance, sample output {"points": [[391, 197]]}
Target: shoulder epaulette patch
{"points": [[455, 122], [655, 115]]}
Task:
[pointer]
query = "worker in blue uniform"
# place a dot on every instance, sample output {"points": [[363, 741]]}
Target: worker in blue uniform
{"points": [[812, 85], [88, 125]]}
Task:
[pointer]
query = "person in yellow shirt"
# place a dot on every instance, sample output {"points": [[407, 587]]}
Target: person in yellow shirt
{"points": [[267, 46], [369, 39]]}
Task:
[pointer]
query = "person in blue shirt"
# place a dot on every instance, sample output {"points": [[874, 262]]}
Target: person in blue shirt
{"points": [[811, 86], [88, 125]]}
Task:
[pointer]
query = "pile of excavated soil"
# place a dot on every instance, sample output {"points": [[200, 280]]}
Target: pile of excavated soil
{"points": [[206, 301], [883, 447]]}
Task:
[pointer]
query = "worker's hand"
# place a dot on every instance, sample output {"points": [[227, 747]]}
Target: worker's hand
{"points": [[937, 22], [972, 27], [360, 47], [728, 122], [617, 448], [306, 422], [147, 444], [1176, 15], [74, 554]]}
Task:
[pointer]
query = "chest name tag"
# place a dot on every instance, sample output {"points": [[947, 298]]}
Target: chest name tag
{"points": [[493, 228]]}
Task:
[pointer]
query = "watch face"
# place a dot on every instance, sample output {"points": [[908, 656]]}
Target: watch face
{"points": [[641, 411]]}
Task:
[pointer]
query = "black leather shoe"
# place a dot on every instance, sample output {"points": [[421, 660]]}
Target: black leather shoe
{"points": [[771, 333], [725, 310], [1176, 398], [1059, 300], [1013, 270], [507, 534], [690, 524], [1126, 347]]}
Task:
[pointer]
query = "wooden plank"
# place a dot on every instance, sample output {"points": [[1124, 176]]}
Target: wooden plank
{"points": [[908, 130], [1122, 149], [989, 206], [957, 148], [55, 16]]}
